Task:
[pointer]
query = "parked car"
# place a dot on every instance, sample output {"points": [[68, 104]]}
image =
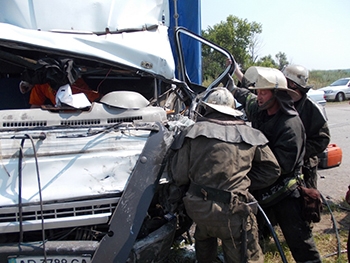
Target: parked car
{"points": [[338, 91], [89, 184], [317, 96]]}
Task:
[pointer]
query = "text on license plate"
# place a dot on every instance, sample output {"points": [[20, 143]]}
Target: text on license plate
{"points": [[51, 259]]}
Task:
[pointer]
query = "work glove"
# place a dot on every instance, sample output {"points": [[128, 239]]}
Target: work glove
{"points": [[230, 85]]}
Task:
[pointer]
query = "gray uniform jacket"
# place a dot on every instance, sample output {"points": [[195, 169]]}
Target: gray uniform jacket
{"points": [[226, 155]]}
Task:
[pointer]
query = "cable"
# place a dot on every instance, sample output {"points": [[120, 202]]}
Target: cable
{"points": [[40, 195], [334, 226], [20, 206], [98, 87], [275, 238], [335, 253], [20, 191]]}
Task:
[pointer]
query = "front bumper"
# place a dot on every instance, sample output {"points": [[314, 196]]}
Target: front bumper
{"points": [[155, 246]]}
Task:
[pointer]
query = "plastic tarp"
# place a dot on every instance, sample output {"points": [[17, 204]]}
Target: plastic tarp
{"points": [[187, 13]]}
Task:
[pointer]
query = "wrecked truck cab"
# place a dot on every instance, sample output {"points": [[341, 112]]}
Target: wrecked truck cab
{"points": [[89, 184], [67, 181], [86, 184], [73, 180], [65, 173]]}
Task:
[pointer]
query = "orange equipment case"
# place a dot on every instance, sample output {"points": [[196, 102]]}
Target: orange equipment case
{"points": [[332, 156]]}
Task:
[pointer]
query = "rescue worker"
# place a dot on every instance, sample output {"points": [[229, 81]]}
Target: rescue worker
{"points": [[272, 112], [219, 157], [314, 121]]}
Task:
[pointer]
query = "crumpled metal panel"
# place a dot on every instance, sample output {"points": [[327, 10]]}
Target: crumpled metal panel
{"points": [[155, 247], [134, 203], [70, 167], [83, 15], [148, 50]]}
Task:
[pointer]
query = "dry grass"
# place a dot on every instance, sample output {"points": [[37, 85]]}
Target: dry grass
{"points": [[325, 234]]}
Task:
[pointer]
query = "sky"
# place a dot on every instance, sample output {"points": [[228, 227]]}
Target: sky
{"points": [[312, 33]]}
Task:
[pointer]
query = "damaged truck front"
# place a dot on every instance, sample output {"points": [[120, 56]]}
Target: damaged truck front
{"points": [[88, 183]]}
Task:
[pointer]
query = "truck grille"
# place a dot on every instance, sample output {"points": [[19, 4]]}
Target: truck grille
{"points": [[72, 123], [20, 124], [10, 216]]}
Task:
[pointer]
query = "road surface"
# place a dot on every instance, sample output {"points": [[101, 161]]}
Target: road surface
{"points": [[333, 182]]}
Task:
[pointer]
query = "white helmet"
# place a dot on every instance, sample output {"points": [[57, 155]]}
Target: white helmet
{"points": [[222, 100], [268, 78], [297, 74]]}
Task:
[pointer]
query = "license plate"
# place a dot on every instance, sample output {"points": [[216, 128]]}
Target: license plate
{"points": [[51, 259]]}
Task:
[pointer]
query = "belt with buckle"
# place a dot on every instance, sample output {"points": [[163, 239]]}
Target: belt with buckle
{"points": [[209, 193]]}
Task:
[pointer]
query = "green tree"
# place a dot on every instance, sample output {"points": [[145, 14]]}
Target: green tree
{"points": [[235, 35], [281, 60], [267, 61], [254, 47]]}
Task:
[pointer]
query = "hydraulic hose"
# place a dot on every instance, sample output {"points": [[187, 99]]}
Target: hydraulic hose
{"points": [[339, 251], [274, 235]]}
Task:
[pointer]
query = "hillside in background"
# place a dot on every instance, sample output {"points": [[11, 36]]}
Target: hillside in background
{"points": [[322, 78]]}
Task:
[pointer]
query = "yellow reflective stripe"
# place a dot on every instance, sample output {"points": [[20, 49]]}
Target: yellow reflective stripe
{"points": [[292, 182]]}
